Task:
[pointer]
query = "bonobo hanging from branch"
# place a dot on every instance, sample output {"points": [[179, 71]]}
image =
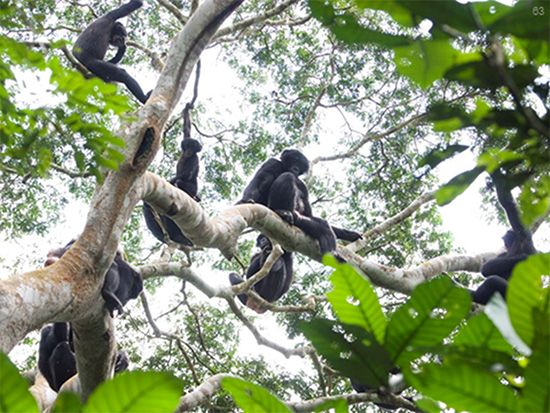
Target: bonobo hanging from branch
{"points": [[186, 179], [275, 284], [277, 185], [518, 242], [92, 44]]}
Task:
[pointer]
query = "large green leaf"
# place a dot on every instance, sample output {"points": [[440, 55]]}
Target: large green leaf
{"points": [[425, 61], [525, 295], [536, 393], [497, 311], [67, 402], [355, 301], [482, 75], [351, 350], [464, 387], [448, 12], [438, 155], [347, 28], [251, 397], [525, 20], [137, 391], [433, 311], [457, 185], [336, 406], [479, 331], [14, 392]]}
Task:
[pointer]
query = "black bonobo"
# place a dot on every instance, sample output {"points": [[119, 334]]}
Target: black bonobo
{"points": [[275, 284], [56, 360], [187, 172], [518, 242], [92, 44], [277, 185], [122, 283]]}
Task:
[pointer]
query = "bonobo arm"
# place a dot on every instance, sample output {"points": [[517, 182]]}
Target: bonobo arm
{"points": [[524, 241], [119, 54], [125, 9]]}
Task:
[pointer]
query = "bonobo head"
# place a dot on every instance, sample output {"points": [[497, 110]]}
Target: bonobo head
{"points": [[264, 243], [118, 35], [55, 254], [509, 238], [190, 147], [294, 162]]}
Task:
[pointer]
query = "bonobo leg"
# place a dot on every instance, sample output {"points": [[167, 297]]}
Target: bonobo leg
{"points": [[235, 279], [174, 232], [110, 72], [62, 364], [110, 286], [493, 284], [502, 266]]}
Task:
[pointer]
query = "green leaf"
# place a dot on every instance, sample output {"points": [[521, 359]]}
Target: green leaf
{"points": [[536, 393], [433, 311], [438, 155], [425, 61], [447, 12], [355, 301], [457, 185], [347, 28], [137, 391], [480, 74], [351, 350], [67, 402], [14, 392], [525, 295], [497, 311], [336, 406], [479, 331], [463, 387], [524, 21], [251, 397]]}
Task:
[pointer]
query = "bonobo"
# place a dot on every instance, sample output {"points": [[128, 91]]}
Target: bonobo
{"points": [[92, 44], [518, 242], [56, 360], [275, 284], [277, 185], [187, 172], [122, 283]]}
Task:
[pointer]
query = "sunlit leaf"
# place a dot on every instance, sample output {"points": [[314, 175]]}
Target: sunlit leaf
{"points": [[251, 397]]}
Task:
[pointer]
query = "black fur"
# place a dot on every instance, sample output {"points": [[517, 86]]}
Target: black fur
{"points": [[56, 361], [289, 197], [92, 44], [122, 283], [187, 172], [277, 185], [257, 191], [276, 283], [518, 242]]}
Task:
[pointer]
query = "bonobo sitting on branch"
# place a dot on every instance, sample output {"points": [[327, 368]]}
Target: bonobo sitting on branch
{"points": [[275, 284], [518, 242], [56, 359], [277, 185], [187, 172], [92, 44], [122, 283]]}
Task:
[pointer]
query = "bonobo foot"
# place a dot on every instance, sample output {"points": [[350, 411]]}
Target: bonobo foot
{"points": [[286, 215]]}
